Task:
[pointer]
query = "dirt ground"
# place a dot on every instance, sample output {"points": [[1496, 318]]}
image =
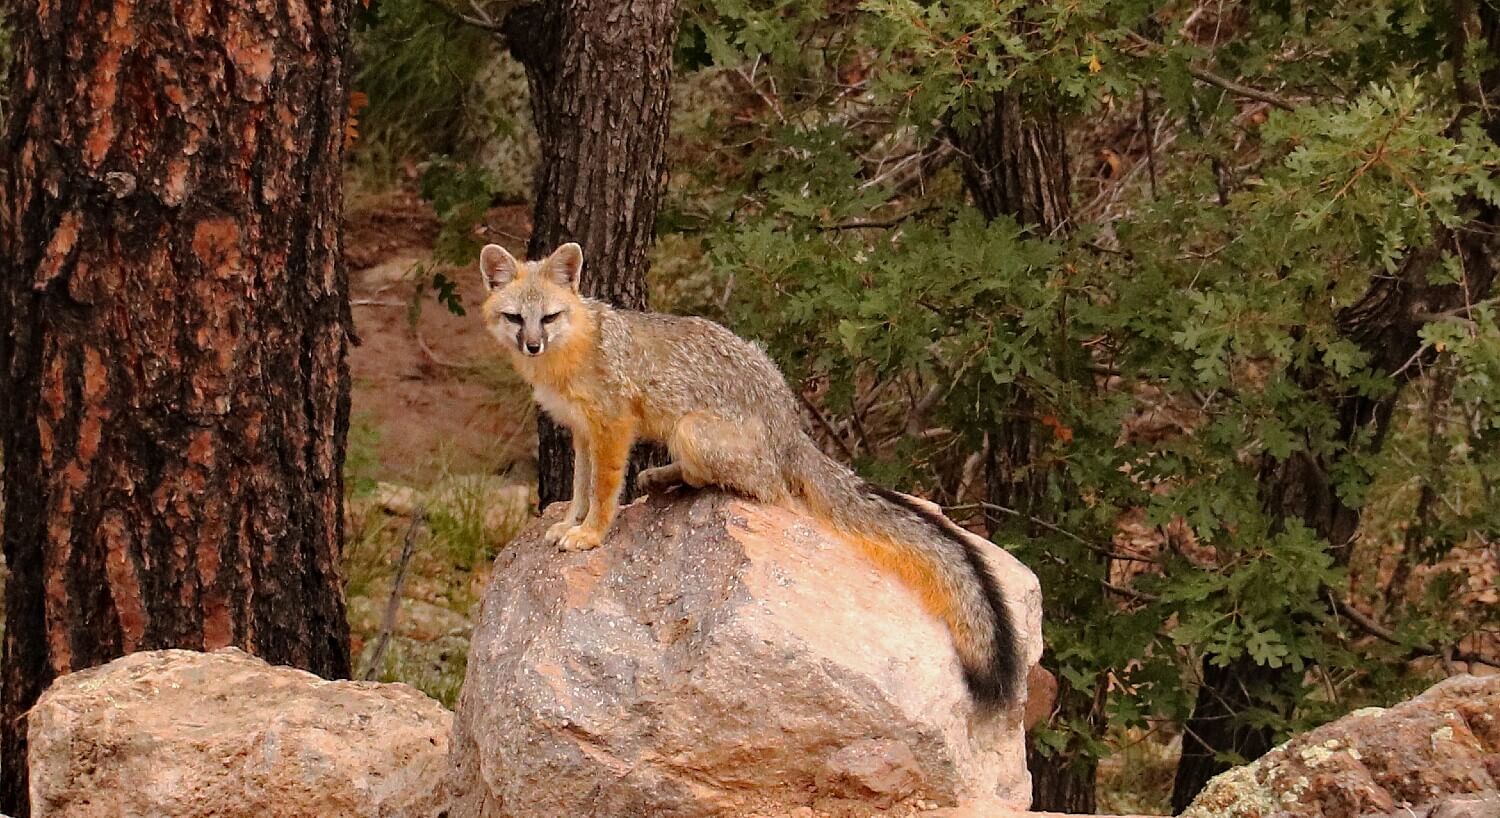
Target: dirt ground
{"points": [[431, 394], [441, 447]]}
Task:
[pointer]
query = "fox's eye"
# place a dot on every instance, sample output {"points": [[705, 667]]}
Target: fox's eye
{"points": [[551, 316], [513, 317]]}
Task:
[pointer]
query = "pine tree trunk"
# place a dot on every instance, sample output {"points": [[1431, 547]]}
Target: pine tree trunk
{"points": [[600, 73], [173, 325]]}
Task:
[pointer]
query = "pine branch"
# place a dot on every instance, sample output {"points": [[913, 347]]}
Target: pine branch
{"points": [[480, 19]]}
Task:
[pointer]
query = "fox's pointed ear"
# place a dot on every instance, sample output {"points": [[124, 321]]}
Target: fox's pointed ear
{"points": [[565, 264], [499, 267]]}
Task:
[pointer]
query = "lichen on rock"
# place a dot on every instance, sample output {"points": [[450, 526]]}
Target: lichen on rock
{"points": [[1414, 758]]}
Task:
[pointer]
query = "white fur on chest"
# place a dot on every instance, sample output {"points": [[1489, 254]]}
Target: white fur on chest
{"points": [[554, 404]]}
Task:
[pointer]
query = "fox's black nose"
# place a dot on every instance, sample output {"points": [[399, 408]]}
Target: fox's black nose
{"points": [[533, 349]]}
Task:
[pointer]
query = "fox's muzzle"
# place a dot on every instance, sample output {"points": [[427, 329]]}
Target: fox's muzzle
{"points": [[531, 339]]}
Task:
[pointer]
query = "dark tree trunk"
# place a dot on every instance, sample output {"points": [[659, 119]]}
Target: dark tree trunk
{"points": [[1385, 322], [1296, 488], [1064, 781], [1057, 787], [600, 73], [1214, 726], [173, 324], [1015, 164]]}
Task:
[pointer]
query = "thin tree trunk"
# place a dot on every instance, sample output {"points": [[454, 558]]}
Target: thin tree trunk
{"points": [[600, 73], [1225, 692], [173, 325], [1296, 488], [1015, 164]]}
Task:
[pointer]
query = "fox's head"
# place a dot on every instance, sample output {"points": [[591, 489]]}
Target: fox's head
{"points": [[532, 305]]}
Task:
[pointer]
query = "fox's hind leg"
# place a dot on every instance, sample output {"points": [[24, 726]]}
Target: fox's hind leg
{"points": [[708, 450], [659, 478]]}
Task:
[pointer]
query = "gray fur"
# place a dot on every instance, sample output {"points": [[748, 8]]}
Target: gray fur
{"points": [[729, 419], [691, 370]]}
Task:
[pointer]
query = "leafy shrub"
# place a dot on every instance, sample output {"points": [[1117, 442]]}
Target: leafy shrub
{"points": [[1169, 355]]}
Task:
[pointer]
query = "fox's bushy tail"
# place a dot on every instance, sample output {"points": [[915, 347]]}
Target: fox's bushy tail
{"points": [[929, 553]]}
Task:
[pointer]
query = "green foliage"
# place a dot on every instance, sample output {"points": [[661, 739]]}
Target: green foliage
{"points": [[460, 193], [1150, 371], [418, 67], [362, 458], [445, 104], [1211, 296]]}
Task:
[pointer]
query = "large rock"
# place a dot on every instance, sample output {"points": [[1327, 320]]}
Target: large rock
{"points": [[715, 657], [180, 734], [1437, 755]]}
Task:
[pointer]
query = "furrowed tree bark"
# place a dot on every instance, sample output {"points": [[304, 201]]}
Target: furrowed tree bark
{"points": [[173, 324], [1385, 322], [1015, 163], [600, 73]]}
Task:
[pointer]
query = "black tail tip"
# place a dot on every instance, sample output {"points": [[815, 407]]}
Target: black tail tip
{"points": [[997, 686]]}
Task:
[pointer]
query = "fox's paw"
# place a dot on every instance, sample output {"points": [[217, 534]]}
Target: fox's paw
{"points": [[659, 479], [578, 538], [556, 531]]}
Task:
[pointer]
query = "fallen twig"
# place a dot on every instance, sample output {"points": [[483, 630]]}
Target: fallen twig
{"points": [[433, 356], [393, 605]]}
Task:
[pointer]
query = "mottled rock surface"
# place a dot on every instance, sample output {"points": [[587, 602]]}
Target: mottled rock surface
{"points": [[1436, 755], [180, 734], [715, 657]]}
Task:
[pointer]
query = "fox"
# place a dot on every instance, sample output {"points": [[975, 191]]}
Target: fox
{"points": [[728, 420]]}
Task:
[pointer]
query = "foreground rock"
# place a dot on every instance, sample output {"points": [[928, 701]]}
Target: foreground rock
{"points": [[715, 657], [180, 734], [1435, 756]]}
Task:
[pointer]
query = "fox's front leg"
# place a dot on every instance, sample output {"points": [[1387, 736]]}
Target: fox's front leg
{"points": [[609, 453], [583, 477]]}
